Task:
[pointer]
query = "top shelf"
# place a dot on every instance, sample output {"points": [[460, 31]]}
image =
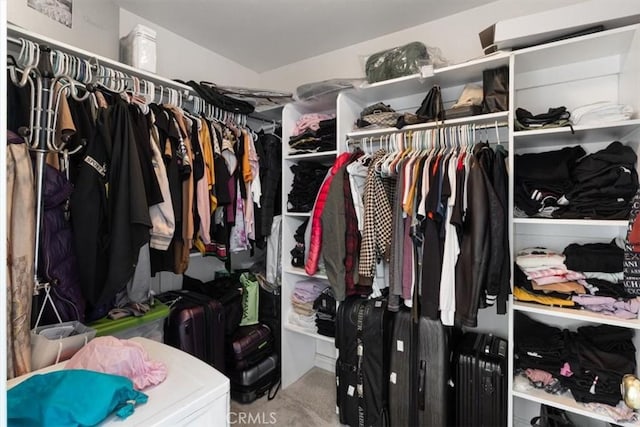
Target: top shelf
{"points": [[453, 75], [590, 47]]}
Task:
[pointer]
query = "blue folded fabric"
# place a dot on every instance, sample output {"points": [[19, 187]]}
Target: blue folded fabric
{"points": [[73, 397]]}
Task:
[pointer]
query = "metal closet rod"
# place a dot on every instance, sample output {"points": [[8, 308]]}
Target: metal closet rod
{"points": [[14, 33], [355, 139]]}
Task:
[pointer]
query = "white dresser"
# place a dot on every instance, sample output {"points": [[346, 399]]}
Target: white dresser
{"points": [[193, 394]]}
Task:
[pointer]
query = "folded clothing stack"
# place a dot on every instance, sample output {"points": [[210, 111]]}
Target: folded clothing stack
{"points": [[308, 176], [588, 276], [602, 264], [567, 183], [325, 306], [542, 276], [313, 133], [600, 113], [304, 295], [590, 362]]}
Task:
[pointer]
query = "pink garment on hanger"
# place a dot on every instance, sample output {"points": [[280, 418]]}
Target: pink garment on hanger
{"points": [[114, 356]]}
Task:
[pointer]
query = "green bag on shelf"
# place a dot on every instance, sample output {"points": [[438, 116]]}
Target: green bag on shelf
{"points": [[397, 62], [250, 299]]}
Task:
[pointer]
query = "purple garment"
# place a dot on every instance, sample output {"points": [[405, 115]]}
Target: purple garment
{"points": [[608, 305], [58, 264], [308, 290]]}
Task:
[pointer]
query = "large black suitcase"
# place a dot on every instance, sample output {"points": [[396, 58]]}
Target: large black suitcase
{"points": [[196, 325], [481, 381], [227, 290], [418, 391], [363, 332]]}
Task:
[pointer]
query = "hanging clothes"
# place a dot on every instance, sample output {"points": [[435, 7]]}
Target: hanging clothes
{"points": [[21, 230]]}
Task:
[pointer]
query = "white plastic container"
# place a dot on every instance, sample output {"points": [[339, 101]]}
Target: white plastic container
{"points": [[138, 48]]}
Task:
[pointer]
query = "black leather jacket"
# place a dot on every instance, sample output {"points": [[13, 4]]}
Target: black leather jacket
{"points": [[483, 263]]}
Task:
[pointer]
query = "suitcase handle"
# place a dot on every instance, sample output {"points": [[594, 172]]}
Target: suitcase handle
{"points": [[422, 376]]}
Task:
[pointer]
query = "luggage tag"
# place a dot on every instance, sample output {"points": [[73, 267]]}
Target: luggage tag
{"points": [[393, 377], [400, 345], [351, 390]]}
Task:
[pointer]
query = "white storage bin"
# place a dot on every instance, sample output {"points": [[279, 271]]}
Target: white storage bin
{"points": [[138, 48]]}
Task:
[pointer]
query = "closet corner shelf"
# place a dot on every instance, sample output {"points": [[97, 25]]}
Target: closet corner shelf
{"points": [[566, 402], [298, 214], [300, 330], [583, 133], [301, 272], [481, 119], [576, 314], [564, 222], [322, 155]]}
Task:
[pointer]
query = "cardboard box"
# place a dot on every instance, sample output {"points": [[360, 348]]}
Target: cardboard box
{"points": [[557, 23]]}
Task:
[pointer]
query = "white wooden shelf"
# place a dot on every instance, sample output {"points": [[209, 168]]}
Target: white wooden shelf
{"points": [[565, 222], [322, 155], [566, 402], [575, 50], [576, 314], [453, 75], [583, 134], [481, 119], [300, 330], [301, 272]]}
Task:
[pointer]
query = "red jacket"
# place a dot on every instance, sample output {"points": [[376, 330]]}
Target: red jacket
{"points": [[315, 245]]}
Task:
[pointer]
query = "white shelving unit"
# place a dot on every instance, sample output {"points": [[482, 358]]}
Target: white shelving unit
{"points": [[302, 349], [572, 72], [598, 67]]}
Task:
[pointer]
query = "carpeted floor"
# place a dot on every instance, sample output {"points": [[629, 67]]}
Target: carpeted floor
{"points": [[309, 402]]}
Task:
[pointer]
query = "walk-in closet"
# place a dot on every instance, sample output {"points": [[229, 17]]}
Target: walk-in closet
{"points": [[413, 213]]}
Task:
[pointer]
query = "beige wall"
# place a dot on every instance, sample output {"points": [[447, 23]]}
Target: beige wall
{"points": [[94, 27], [455, 35], [180, 58]]}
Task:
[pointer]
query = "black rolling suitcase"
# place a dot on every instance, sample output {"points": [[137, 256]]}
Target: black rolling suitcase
{"points": [[254, 382], [363, 332], [418, 391], [196, 325], [481, 381]]}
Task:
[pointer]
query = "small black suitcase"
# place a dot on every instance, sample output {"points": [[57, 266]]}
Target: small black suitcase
{"points": [[363, 333], [253, 383], [481, 381], [249, 346], [251, 375], [196, 325]]}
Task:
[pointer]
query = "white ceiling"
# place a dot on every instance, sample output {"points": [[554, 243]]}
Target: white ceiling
{"points": [[266, 34]]}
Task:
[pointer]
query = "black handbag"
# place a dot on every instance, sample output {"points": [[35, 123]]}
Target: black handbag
{"points": [[432, 107], [495, 90], [551, 417]]}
